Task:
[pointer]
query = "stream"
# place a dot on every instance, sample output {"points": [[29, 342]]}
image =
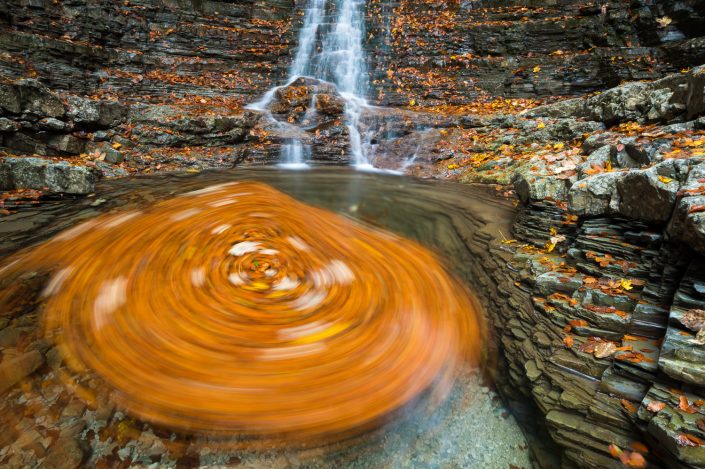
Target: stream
{"points": [[466, 425]]}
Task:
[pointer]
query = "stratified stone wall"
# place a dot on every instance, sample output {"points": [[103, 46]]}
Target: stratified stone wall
{"points": [[447, 52], [143, 49]]}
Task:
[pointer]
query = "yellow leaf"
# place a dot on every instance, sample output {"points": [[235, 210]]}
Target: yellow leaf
{"points": [[330, 331], [412, 102], [541, 125], [626, 284], [453, 166], [537, 69], [664, 179], [116, 145], [550, 247], [558, 146]]}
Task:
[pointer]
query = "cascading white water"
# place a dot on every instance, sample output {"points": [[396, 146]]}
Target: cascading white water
{"points": [[330, 49]]}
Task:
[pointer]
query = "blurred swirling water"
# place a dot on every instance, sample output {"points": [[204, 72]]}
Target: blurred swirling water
{"points": [[217, 307]]}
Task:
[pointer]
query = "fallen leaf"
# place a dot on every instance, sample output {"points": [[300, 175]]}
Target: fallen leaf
{"points": [[605, 350], [626, 284], [685, 406], [694, 319], [656, 406], [683, 440], [568, 341], [628, 406], [635, 460], [639, 446], [615, 451]]}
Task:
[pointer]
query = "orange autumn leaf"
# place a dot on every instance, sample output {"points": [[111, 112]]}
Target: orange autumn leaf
{"points": [[685, 406], [578, 323], [639, 446], [568, 341], [628, 406], [614, 450], [634, 460], [656, 406]]}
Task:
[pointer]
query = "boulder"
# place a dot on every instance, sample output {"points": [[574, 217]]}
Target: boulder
{"points": [[40, 174], [329, 104], [90, 114], [595, 195], [688, 222], [293, 103], [66, 143], [599, 158], [677, 95], [539, 185], [10, 98], [650, 195], [7, 125], [36, 99], [52, 124]]}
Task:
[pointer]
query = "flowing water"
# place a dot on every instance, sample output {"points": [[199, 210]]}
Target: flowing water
{"points": [[330, 49], [464, 425]]}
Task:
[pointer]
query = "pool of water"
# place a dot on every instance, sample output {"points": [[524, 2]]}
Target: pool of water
{"points": [[471, 427]]}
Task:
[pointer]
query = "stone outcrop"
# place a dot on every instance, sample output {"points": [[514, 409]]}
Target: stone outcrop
{"points": [[47, 175]]}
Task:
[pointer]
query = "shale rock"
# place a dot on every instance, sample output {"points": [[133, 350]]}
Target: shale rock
{"points": [[650, 195], [90, 114], [36, 173], [659, 101], [688, 222], [595, 195]]}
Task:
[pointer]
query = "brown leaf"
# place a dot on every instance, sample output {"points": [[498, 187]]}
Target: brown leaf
{"points": [[605, 349], [694, 319], [683, 440], [685, 406], [628, 406], [639, 447], [656, 406], [701, 424]]}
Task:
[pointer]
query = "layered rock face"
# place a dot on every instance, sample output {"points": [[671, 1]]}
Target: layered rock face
{"points": [[440, 53], [145, 49]]}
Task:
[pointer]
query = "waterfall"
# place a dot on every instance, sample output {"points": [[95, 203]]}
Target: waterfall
{"points": [[330, 49]]}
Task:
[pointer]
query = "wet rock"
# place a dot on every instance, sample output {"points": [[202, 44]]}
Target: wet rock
{"points": [[595, 195], [36, 173], [14, 370], [64, 453], [295, 102], [650, 195], [329, 104]]}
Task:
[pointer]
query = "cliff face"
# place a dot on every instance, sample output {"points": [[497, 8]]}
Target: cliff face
{"points": [[449, 52], [148, 49]]}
